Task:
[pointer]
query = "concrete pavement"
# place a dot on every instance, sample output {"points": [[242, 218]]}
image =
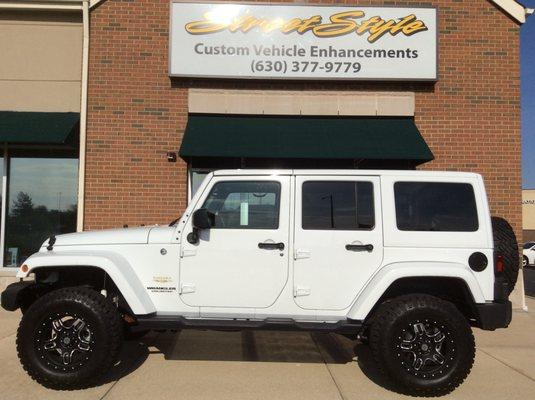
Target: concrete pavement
{"points": [[274, 365]]}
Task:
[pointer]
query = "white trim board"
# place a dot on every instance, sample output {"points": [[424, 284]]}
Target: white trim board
{"points": [[516, 10], [282, 102]]}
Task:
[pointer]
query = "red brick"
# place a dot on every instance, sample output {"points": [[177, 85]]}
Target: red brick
{"points": [[470, 118]]}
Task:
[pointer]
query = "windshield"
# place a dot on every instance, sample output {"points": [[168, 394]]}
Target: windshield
{"points": [[528, 245]]}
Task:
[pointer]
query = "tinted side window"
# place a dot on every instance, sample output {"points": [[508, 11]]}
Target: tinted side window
{"points": [[435, 206], [338, 205], [245, 205]]}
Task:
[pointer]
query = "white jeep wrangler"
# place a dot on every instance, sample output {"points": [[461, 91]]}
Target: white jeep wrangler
{"points": [[407, 261]]}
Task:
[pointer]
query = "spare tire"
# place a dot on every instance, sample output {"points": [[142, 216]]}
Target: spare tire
{"points": [[506, 245]]}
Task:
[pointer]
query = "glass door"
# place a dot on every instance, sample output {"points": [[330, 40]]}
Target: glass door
{"points": [[41, 201]]}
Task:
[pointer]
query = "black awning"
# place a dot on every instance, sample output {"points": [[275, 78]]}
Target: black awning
{"points": [[304, 138], [38, 127]]}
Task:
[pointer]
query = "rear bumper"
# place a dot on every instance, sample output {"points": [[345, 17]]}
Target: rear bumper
{"points": [[491, 316], [12, 296]]}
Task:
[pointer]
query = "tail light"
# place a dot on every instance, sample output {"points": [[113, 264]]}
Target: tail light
{"points": [[499, 265]]}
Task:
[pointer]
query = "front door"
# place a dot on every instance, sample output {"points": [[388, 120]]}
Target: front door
{"points": [[338, 239], [242, 261]]}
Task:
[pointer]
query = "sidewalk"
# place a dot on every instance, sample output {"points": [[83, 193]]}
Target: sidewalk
{"points": [[275, 365]]}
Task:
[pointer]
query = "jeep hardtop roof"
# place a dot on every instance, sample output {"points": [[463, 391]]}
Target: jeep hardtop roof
{"points": [[348, 172]]}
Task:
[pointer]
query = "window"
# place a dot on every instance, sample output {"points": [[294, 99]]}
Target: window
{"points": [[528, 245], [42, 200], [245, 205], [196, 178], [435, 206], [338, 205]]}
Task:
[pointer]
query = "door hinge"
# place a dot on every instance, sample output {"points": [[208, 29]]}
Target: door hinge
{"points": [[300, 291], [186, 288], [187, 253]]}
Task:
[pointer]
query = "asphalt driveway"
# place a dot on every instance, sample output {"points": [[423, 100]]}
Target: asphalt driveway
{"points": [[274, 365]]}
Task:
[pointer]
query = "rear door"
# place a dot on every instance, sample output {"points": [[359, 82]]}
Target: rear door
{"points": [[338, 239]]}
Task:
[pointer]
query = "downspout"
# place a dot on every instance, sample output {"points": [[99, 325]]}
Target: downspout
{"points": [[83, 116]]}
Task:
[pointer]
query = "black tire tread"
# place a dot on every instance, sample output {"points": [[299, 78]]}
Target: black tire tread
{"points": [[393, 309], [96, 301], [506, 244]]}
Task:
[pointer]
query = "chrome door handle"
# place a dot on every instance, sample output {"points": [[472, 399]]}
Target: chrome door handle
{"points": [[359, 247], [271, 246]]}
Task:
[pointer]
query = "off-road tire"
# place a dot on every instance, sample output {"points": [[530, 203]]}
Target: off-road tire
{"points": [[391, 321], [506, 245], [101, 319]]}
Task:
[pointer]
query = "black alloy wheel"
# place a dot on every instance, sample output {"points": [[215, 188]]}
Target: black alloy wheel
{"points": [[425, 348], [69, 338], [422, 343], [64, 341]]}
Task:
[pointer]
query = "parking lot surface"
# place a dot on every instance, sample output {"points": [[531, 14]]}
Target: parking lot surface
{"points": [[274, 365]]}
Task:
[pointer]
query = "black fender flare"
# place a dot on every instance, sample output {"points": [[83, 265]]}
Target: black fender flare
{"points": [[12, 296]]}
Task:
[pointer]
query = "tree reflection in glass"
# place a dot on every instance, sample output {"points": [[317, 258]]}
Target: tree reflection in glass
{"points": [[42, 202]]}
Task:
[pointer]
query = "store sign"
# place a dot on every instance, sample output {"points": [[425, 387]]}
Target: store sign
{"points": [[223, 40]]}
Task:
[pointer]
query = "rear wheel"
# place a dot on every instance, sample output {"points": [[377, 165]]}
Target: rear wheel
{"points": [[69, 338], [423, 344]]}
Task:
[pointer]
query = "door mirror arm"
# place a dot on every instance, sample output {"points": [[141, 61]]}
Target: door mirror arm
{"points": [[193, 236]]}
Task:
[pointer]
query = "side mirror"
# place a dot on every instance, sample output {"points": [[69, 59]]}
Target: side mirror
{"points": [[203, 219]]}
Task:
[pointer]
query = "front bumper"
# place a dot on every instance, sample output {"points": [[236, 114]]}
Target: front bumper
{"points": [[12, 296], [491, 316]]}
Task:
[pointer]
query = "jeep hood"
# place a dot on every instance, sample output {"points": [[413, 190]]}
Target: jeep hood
{"points": [[138, 235]]}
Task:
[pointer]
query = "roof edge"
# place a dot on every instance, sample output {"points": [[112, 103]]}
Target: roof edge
{"points": [[57, 5], [93, 3], [515, 9]]}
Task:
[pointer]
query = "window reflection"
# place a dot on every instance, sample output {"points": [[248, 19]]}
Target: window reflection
{"points": [[1, 185], [197, 177], [338, 205], [245, 205], [42, 194]]}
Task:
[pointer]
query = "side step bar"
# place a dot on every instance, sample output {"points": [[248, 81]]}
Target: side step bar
{"points": [[165, 322]]}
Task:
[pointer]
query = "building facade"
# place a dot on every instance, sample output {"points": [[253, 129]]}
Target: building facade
{"points": [[528, 215], [469, 117], [40, 91], [142, 156]]}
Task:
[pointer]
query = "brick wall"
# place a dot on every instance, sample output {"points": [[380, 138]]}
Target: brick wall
{"points": [[470, 118]]}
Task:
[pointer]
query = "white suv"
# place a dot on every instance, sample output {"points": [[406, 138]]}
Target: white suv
{"points": [[407, 261], [528, 254]]}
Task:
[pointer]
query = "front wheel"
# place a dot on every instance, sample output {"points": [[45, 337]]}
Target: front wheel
{"points": [[525, 261], [69, 338], [424, 344]]}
